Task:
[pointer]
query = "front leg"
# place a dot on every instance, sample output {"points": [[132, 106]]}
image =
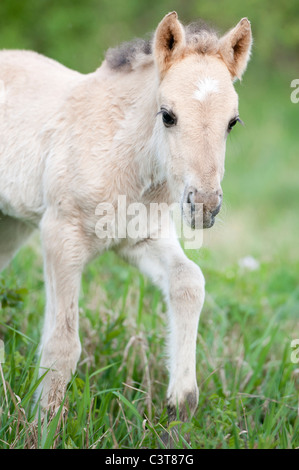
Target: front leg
{"points": [[186, 297], [65, 253], [182, 282]]}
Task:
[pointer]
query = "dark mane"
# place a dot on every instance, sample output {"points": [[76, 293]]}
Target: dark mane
{"points": [[124, 56], [200, 37]]}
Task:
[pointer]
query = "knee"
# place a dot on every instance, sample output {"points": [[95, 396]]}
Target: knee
{"points": [[61, 351], [187, 283]]}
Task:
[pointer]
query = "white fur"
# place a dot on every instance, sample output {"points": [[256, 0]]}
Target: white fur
{"points": [[2, 92], [206, 86]]}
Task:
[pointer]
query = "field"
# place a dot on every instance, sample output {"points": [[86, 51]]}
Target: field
{"points": [[248, 371]]}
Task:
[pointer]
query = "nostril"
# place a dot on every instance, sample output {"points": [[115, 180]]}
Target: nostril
{"points": [[219, 193], [190, 200]]}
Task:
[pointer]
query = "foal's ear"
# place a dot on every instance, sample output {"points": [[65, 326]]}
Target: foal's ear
{"points": [[235, 47], [169, 42]]}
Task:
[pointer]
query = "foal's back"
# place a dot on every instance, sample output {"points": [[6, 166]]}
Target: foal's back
{"points": [[32, 90]]}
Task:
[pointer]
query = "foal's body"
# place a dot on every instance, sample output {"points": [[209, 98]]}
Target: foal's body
{"points": [[69, 142]]}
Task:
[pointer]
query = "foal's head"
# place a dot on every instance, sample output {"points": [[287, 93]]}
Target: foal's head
{"points": [[197, 107]]}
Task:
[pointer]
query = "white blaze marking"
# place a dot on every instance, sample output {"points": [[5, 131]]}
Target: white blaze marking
{"points": [[205, 86]]}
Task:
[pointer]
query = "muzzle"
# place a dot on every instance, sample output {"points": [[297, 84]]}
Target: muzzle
{"points": [[200, 208]]}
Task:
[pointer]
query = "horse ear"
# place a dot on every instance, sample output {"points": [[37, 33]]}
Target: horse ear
{"points": [[169, 41], [235, 47]]}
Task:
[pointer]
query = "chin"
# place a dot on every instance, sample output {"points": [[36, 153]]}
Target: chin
{"points": [[209, 223]]}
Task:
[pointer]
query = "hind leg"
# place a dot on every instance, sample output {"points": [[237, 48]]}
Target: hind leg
{"points": [[13, 233]]}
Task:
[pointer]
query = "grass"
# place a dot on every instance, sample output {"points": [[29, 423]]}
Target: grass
{"points": [[248, 383]]}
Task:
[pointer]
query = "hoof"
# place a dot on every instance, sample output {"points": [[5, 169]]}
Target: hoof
{"points": [[185, 408]]}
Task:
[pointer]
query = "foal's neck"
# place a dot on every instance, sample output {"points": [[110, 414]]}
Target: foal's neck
{"points": [[135, 139]]}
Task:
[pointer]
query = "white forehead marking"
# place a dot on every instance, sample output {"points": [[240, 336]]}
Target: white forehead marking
{"points": [[205, 86]]}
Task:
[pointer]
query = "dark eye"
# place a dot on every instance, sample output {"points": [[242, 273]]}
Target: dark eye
{"points": [[168, 117], [233, 122]]}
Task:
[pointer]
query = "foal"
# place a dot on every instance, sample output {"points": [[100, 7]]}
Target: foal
{"points": [[151, 124]]}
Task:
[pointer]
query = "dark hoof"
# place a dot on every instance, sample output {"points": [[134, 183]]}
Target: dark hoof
{"points": [[185, 410]]}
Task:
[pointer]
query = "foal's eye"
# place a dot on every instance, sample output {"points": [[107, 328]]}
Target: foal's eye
{"points": [[168, 117], [233, 122]]}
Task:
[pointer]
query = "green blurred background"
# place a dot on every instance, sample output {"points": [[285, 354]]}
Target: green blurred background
{"points": [[260, 216]]}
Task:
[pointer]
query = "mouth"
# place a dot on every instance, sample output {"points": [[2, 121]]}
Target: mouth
{"points": [[207, 222], [198, 216]]}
